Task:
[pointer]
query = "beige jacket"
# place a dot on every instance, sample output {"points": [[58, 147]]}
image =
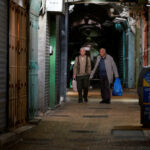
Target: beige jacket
{"points": [[111, 68], [82, 68]]}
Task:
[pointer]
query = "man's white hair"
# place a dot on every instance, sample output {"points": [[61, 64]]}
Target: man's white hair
{"points": [[103, 49], [82, 48]]}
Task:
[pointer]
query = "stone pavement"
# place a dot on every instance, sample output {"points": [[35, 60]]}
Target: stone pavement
{"points": [[89, 126]]}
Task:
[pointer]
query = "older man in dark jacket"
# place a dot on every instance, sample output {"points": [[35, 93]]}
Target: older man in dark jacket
{"points": [[107, 68]]}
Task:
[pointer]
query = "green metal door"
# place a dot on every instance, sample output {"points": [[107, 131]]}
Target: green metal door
{"points": [[52, 62]]}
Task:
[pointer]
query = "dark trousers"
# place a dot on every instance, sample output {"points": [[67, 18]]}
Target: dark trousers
{"points": [[105, 88], [82, 85]]}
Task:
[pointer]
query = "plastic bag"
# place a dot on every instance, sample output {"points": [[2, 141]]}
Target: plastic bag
{"points": [[74, 85], [117, 89]]}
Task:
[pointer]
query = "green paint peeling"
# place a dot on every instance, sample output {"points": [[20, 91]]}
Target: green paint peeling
{"points": [[33, 68], [52, 63], [35, 7]]}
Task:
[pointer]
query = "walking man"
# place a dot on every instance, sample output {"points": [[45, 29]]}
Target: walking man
{"points": [[81, 72], [107, 68]]}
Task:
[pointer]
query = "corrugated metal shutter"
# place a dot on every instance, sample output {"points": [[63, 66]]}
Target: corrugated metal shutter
{"points": [[131, 60], [58, 63], [3, 61], [126, 60], [47, 64], [64, 54], [43, 62]]}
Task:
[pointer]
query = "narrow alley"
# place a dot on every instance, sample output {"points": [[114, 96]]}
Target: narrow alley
{"points": [[89, 126], [74, 74]]}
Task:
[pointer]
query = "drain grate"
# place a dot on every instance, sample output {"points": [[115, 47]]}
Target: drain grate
{"points": [[136, 144], [59, 115], [127, 133], [79, 140], [82, 131], [36, 141], [137, 107], [95, 116], [98, 108]]}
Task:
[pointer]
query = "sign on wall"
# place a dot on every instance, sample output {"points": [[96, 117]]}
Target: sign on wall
{"points": [[54, 5]]}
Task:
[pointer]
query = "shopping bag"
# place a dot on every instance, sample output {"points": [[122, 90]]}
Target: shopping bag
{"points": [[74, 85], [117, 89]]}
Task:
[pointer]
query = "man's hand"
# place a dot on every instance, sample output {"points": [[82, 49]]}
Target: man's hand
{"points": [[91, 77], [74, 76]]}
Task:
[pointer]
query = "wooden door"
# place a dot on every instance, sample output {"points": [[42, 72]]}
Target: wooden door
{"points": [[17, 66]]}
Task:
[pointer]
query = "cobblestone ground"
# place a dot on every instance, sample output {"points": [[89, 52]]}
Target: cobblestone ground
{"points": [[89, 126]]}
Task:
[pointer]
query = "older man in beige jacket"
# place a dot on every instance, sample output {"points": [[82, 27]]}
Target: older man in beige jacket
{"points": [[81, 71]]}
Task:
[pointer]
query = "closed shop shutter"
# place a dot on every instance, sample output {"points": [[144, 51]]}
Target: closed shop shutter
{"points": [[17, 66], [64, 54], [43, 63], [58, 62], [120, 64], [47, 64], [3, 62]]}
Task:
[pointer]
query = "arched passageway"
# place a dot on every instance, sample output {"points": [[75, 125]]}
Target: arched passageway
{"points": [[100, 25]]}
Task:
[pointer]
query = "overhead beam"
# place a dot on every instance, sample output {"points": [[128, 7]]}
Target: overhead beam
{"points": [[100, 1]]}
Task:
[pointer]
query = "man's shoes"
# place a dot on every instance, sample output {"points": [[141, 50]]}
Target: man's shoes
{"points": [[102, 101], [80, 101], [85, 100], [105, 101]]}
